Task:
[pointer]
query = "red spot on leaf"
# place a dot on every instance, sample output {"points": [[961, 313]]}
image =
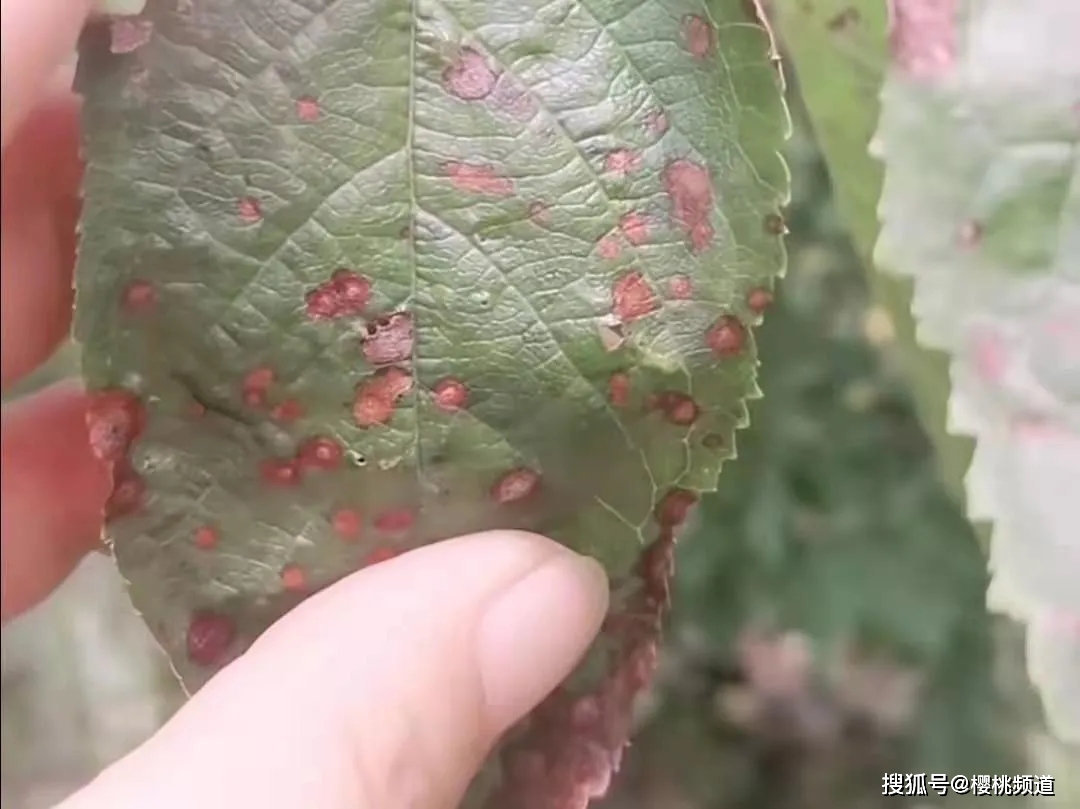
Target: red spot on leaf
{"points": [[681, 288], [970, 234], [700, 36], [205, 538], [196, 410], [380, 554], [346, 293], [608, 247], [250, 210], [677, 407], [634, 227], [307, 109], [515, 485], [469, 77], [347, 523], [139, 298], [922, 36], [623, 162], [619, 389], [450, 394], [353, 290], [287, 411], [656, 123], [259, 378], [758, 300], [320, 452], [395, 521], [128, 34], [675, 507], [476, 179], [991, 356], [209, 636], [128, 493], [377, 395], [726, 337], [690, 189], [280, 471], [294, 578], [114, 420], [389, 339], [632, 297]]}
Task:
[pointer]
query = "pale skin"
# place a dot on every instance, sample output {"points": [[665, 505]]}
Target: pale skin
{"points": [[384, 691]]}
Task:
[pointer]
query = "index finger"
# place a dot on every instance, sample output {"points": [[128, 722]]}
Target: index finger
{"points": [[36, 37]]}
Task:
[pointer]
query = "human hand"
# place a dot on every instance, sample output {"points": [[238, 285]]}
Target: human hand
{"points": [[386, 690]]}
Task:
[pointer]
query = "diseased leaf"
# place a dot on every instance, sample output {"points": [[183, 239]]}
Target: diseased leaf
{"points": [[980, 137], [359, 276], [839, 50]]}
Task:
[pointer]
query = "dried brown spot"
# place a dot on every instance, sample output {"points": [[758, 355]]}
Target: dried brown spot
{"points": [[114, 421], [700, 36], [634, 227], [469, 77], [476, 179], [347, 523], [922, 36], [209, 636], [450, 394], [320, 452], [713, 441], [619, 389], [279, 471], [293, 577], [395, 521], [205, 538], [287, 411], [623, 162], [632, 297], [389, 339], [970, 234], [656, 123], [139, 298], [845, 18], [681, 287], [250, 210], [307, 109], [515, 486], [726, 337], [675, 507], [758, 300], [540, 212], [774, 225], [690, 189], [608, 247], [128, 34]]}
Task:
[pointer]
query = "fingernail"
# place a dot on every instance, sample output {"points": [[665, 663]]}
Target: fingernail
{"points": [[533, 634]]}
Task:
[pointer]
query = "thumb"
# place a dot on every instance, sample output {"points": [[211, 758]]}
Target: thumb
{"points": [[384, 691]]}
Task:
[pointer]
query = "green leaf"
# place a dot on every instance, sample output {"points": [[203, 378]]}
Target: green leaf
{"points": [[355, 277], [981, 207]]}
